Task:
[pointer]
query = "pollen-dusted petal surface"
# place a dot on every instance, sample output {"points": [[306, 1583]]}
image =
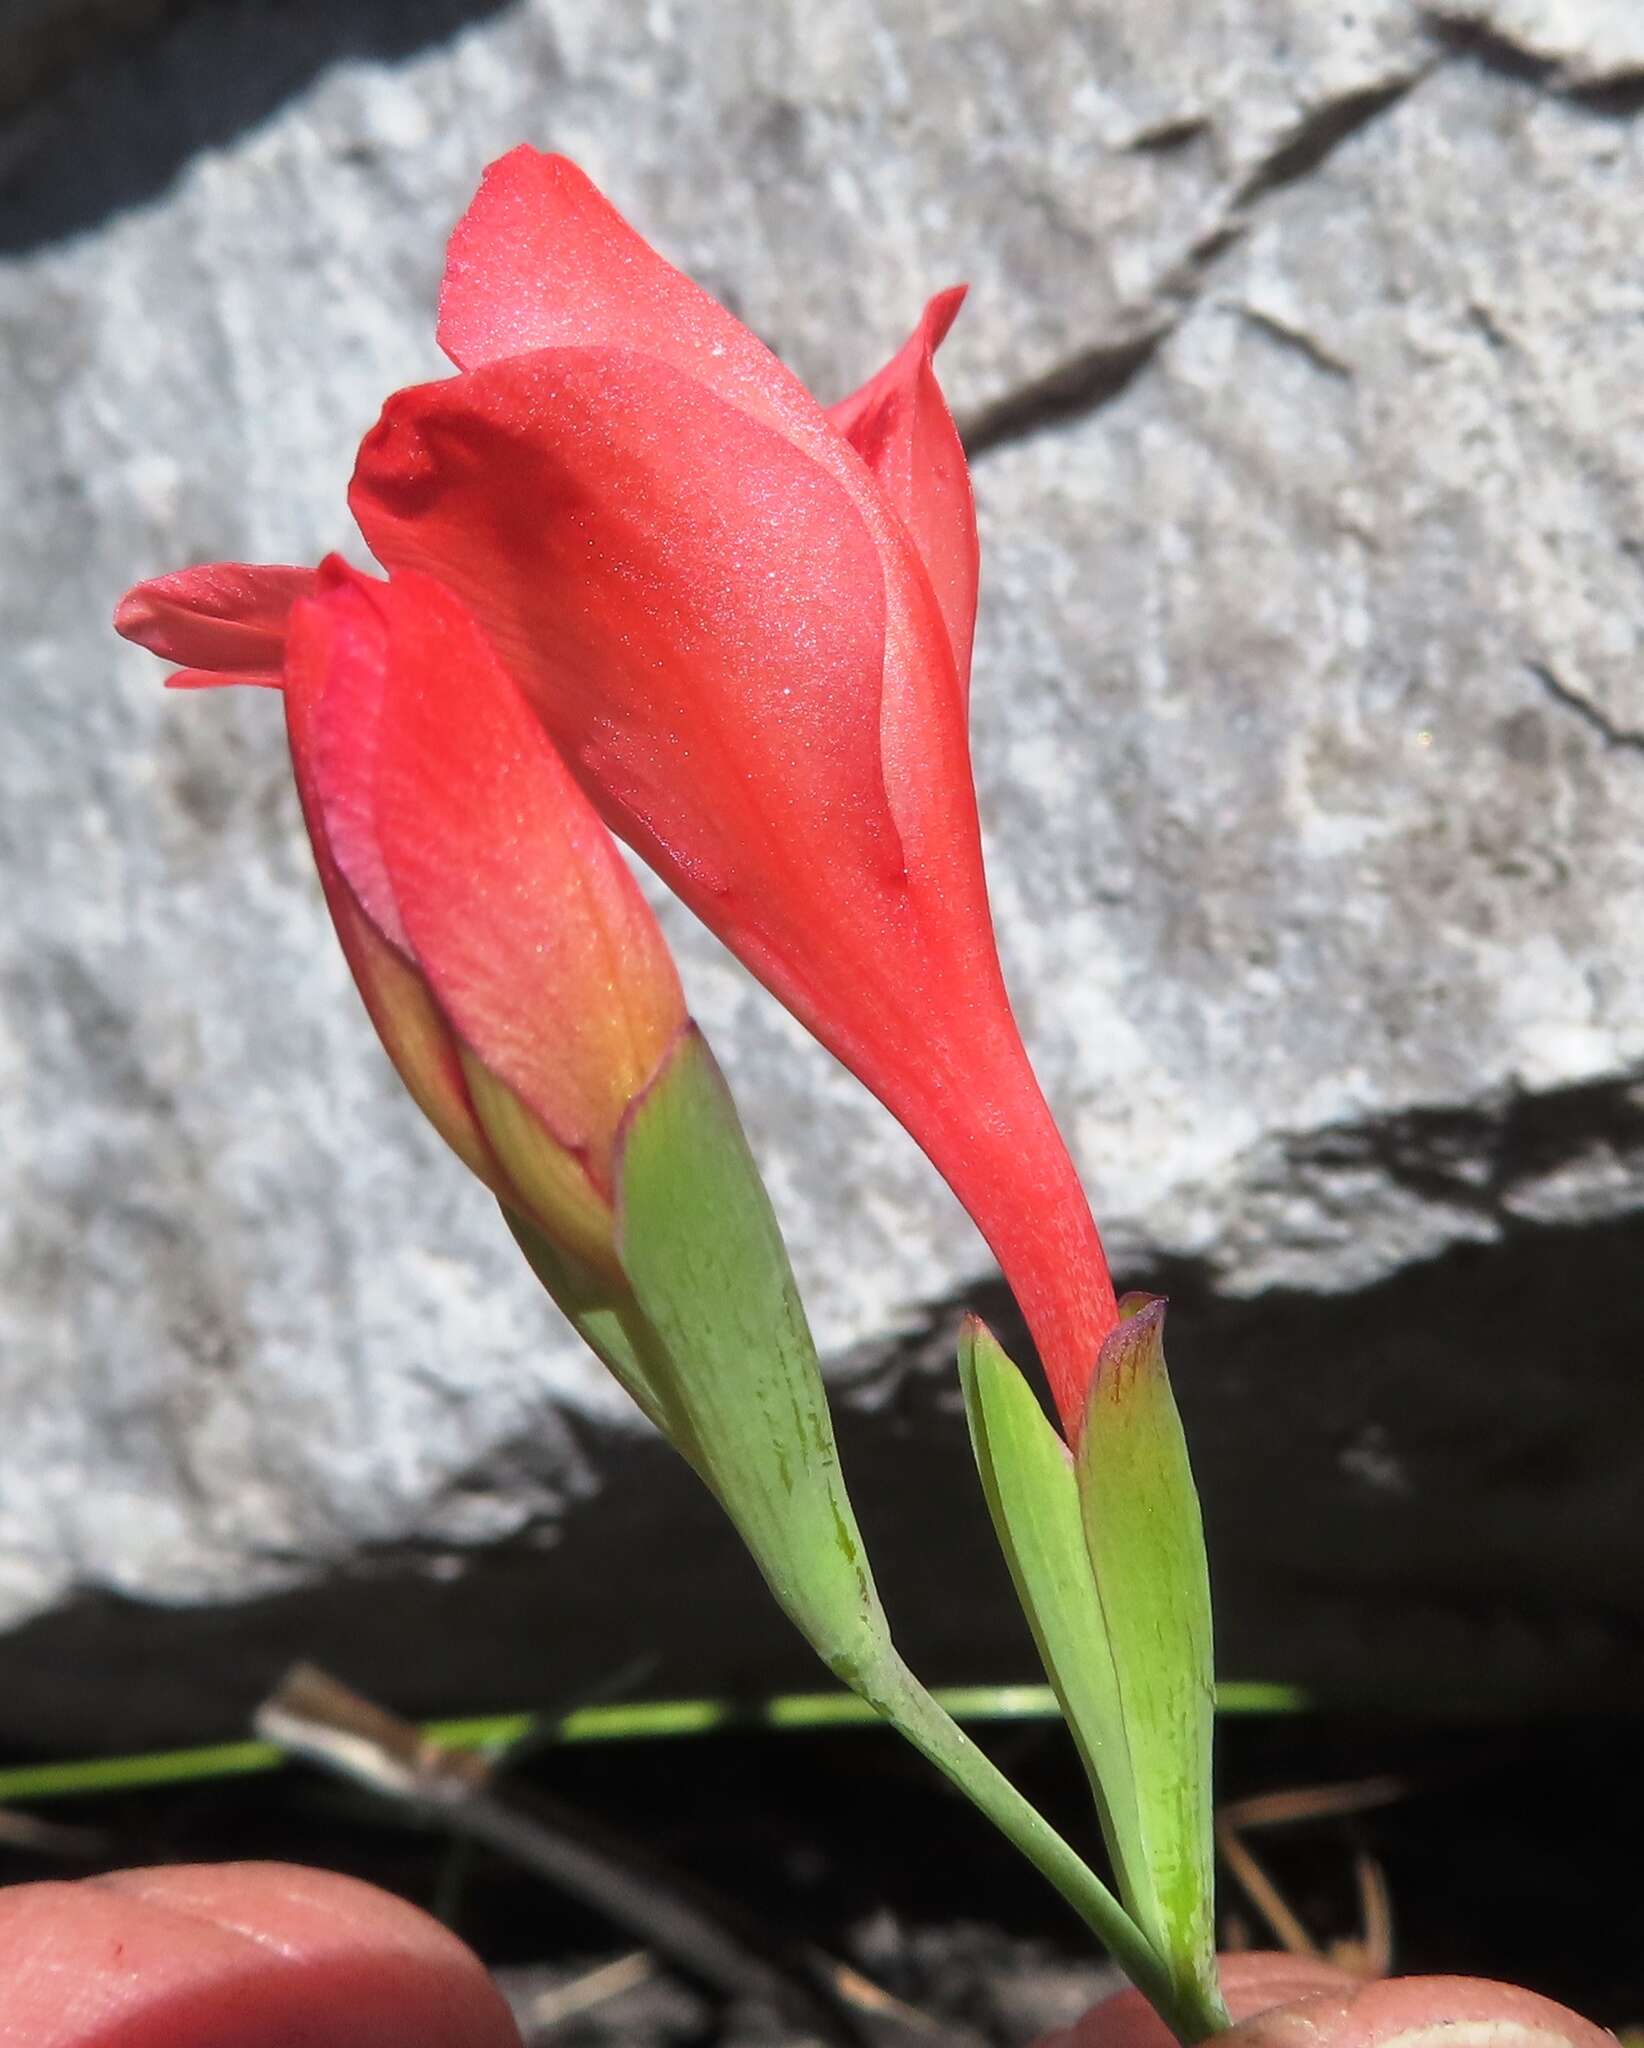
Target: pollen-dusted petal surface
{"points": [[519, 909], [542, 259], [223, 623], [693, 608], [899, 423]]}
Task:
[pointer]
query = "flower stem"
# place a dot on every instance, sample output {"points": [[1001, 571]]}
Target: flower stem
{"points": [[897, 1695]]}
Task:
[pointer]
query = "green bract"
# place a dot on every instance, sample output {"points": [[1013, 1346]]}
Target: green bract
{"points": [[713, 1344], [699, 1242], [1145, 1540], [1107, 1553]]}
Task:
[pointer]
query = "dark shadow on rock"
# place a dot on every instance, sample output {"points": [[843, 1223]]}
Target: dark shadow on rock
{"points": [[119, 127], [643, 1585], [1424, 1494]]}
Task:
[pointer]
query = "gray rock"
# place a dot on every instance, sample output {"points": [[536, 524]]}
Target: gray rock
{"points": [[1326, 630], [1303, 367]]}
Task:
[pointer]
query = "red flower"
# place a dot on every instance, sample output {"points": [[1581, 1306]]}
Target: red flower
{"points": [[747, 625], [514, 972]]}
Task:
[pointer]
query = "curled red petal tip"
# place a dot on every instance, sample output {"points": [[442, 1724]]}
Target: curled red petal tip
{"points": [[222, 623]]}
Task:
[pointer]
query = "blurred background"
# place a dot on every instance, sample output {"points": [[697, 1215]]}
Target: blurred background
{"points": [[1303, 374]]}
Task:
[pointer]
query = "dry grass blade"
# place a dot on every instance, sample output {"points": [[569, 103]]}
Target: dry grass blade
{"points": [[1371, 1955], [1313, 1802], [1368, 1954], [593, 1988], [897, 2018], [1265, 1896]]}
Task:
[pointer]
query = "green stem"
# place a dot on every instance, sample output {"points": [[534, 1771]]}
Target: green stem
{"points": [[896, 1694]]}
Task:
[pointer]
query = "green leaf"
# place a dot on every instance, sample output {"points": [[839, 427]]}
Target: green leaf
{"points": [[1033, 1496], [722, 1342], [1145, 1542]]}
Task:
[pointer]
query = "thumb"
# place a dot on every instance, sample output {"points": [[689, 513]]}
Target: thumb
{"points": [[1289, 2002], [237, 1955]]}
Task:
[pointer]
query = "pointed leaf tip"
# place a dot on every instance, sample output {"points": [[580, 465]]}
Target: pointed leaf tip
{"points": [[1135, 1345]]}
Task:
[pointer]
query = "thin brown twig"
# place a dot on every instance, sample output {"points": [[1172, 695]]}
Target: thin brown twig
{"points": [[311, 1715]]}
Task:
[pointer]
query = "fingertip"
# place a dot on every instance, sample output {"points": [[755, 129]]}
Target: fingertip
{"points": [[1444, 2012], [236, 1956], [1279, 2001]]}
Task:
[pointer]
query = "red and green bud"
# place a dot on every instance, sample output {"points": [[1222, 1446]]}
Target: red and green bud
{"points": [[514, 972], [522, 987]]}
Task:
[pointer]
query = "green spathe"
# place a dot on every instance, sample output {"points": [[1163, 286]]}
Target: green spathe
{"points": [[1145, 1541], [1107, 1556], [713, 1344], [1033, 1496]]}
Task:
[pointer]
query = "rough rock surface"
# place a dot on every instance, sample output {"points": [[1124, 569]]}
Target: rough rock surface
{"points": [[1303, 368]]}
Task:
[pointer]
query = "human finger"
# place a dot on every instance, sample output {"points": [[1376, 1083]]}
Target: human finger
{"points": [[239, 1955]]}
